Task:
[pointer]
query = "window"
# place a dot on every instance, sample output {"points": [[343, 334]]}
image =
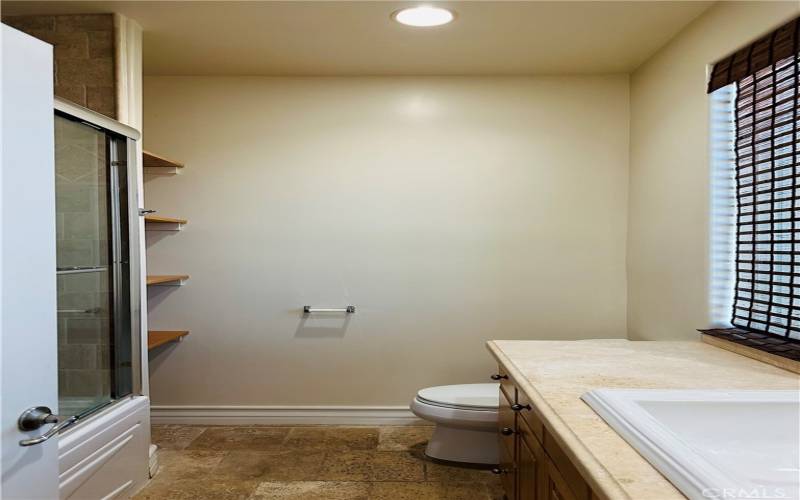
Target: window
{"points": [[759, 89], [723, 205]]}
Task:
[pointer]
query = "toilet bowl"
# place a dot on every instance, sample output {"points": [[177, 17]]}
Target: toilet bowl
{"points": [[466, 422]]}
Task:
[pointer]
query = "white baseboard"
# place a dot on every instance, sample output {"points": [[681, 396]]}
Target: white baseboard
{"points": [[284, 415]]}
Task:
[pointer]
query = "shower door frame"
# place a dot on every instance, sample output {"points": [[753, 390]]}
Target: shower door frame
{"points": [[131, 164]]}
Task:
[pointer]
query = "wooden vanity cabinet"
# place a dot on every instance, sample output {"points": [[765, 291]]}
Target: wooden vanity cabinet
{"points": [[532, 465], [507, 424], [530, 461], [508, 472], [555, 487]]}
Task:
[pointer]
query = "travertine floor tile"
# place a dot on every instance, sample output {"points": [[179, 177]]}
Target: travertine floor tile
{"points": [[320, 462], [407, 491], [403, 437], [467, 491], [429, 490], [312, 490], [283, 465], [174, 437], [396, 466], [450, 473], [333, 438], [210, 488], [307, 437], [187, 464], [495, 489], [240, 438], [347, 466]]}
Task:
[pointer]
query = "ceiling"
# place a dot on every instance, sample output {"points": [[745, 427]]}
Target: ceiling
{"points": [[359, 38]]}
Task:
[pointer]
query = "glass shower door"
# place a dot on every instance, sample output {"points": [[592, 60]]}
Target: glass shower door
{"points": [[93, 275]]}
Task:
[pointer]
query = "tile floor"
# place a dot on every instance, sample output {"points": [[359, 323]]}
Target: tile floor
{"points": [[313, 462]]}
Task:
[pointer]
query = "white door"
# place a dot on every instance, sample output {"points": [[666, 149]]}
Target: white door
{"points": [[28, 336]]}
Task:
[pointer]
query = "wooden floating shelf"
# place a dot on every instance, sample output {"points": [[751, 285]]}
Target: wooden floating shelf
{"points": [[157, 338], [167, 279], [159, 223], [155, 164], [158, 218]]}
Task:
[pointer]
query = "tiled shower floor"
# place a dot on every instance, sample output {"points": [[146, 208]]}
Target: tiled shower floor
{"points": [[314, 462]]}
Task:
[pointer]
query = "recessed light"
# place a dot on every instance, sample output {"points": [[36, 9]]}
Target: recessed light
{"points": [[423, 16]]}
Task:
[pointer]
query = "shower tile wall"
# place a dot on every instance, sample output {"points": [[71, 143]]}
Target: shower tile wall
{"points": [[82, 241]]}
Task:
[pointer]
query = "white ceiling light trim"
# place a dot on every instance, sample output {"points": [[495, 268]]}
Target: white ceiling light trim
{"points": [[423, 16]]}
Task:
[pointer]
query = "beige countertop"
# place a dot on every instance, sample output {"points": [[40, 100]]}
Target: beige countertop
{"points": [[555, 374]]}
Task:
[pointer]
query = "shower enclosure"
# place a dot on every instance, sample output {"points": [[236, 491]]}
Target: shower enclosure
{"points": [[97, 254], [104, 454]]}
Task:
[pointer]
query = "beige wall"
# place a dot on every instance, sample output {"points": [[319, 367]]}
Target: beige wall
{"points": [[669, 174], [449, 211]]}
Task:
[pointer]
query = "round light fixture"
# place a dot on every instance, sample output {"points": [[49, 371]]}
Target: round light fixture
{"points": [[423, 16]]}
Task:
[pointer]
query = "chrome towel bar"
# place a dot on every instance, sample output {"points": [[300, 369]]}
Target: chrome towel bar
{"points": [[348, 309]]}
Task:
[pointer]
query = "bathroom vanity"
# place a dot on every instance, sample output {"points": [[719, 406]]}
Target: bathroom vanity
{"points": [[532, 464], [553, 446]]}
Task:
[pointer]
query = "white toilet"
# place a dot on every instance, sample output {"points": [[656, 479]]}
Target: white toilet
{"points": [[466, 422]]}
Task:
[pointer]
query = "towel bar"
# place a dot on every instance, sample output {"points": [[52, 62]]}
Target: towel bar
{"points": [[348, 309]]}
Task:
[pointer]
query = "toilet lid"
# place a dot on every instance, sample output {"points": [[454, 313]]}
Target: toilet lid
{"points": [[482, 396]]}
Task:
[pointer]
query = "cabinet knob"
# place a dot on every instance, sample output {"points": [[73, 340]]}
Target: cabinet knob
{"points": [[519, 407], [497, 376], [506, 431], [498, 470]]}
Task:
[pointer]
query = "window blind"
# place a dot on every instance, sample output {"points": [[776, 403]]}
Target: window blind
{"points": [[765, 80], [766, 143], [767, 146], [763, 53]]}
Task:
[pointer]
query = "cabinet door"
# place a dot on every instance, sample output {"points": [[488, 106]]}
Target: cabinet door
{"points": [[555, 487], [506, 384], [507, 471], [529, 465], [529, 415], [506, 423]]}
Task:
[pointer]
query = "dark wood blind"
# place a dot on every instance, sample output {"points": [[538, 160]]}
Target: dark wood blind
{"points": [[763, 53], [767, 146]]}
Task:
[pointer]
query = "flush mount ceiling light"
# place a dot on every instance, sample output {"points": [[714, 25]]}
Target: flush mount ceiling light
{"points": [[423, 16]]}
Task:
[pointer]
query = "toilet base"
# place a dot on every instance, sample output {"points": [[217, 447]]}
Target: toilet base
{"points": [[463, 445]]}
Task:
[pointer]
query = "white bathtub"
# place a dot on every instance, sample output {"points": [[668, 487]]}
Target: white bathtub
{"points": [[107, 456], [712, 444]]}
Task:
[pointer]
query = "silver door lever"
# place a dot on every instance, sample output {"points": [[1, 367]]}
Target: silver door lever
{"points": [[37, 416]]}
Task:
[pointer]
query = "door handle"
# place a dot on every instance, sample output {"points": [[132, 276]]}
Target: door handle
{"points": [[37, 416]]}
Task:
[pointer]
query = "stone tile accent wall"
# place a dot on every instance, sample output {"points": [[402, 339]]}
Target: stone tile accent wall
{"points": [[83, 56]]}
